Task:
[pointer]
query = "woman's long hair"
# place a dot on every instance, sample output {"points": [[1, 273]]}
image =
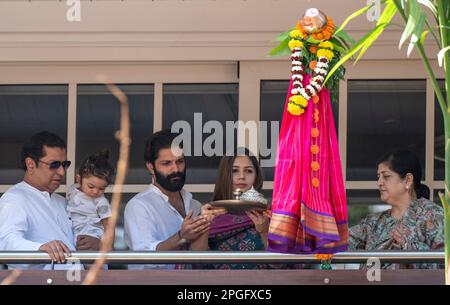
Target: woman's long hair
{"points": [[224, 184]]}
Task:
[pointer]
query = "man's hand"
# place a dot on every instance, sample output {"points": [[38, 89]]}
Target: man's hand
{"points": [[193, 227], [86, 242], [56, 250]]}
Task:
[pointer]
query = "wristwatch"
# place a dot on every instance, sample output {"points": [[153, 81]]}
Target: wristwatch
{"points": [[182, 241]]}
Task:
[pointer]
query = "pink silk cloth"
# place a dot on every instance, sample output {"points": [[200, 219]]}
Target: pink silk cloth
{"points": [[307, 219]]}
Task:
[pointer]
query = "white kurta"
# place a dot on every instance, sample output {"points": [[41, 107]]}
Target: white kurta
{"points": [[150, 219], [30, 218]]}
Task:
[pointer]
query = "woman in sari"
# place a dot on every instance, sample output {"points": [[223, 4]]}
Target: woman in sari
{"points": [[247, 232]]}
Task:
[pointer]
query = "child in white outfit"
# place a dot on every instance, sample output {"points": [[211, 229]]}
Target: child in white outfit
{"points": [[89, 210]]}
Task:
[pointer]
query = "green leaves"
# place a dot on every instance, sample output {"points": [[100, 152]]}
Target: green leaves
{"points": [[367, 40], [281, 49], [441, 55], [414, 26], [369, 37], [283, 35]]}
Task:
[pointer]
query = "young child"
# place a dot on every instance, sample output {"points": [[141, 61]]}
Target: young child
{"points": [[87, 206]]}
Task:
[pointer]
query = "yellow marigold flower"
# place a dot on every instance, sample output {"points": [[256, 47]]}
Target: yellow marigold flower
{"points": [[297, 34], [315, 132], [294, 109], [299, 100], [325, 53], [315, 149], [326, 45], [294, 43], [315, 166], [315, 182]]}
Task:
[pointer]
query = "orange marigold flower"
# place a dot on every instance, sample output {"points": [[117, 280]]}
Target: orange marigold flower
{"points": [[312, 64], [315, 99], [313, 49], [323, 257], [316, 119], [316, 112], [318, 36], [315, 132], [315, 182], [315, 166], [315, 149]]}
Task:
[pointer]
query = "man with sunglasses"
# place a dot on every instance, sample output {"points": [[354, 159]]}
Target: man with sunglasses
{"points": [[32, 216]]}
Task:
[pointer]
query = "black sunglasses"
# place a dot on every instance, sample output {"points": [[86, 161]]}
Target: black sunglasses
{"points": [[57, 164]]}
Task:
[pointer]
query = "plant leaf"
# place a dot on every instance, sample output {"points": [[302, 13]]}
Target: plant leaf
{"points": [[355, 49], [352, 16], [338, 46], [312, 40], [422, 37], [441, 55], [283, 35], [415, 14], [416, 34], [387, 15], [345, 36], [430, 5], [281, 49]]}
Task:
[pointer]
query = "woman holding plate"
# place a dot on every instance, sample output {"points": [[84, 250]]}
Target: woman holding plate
{"points": [[245, 232]]}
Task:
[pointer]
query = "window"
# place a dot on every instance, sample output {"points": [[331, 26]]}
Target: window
{"points": [[24, 111], [98, 118], [439, 142], [383, 115], [192, 106], [360, 203]]}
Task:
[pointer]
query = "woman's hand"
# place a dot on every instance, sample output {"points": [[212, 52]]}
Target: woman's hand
{"points": [[209, 212], [261, 219], [399, 235]]}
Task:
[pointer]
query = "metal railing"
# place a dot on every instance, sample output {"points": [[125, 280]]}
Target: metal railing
{"points": [[189, 257]]}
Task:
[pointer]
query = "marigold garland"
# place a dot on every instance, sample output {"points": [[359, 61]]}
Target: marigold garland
{"points": [[324, 53]]}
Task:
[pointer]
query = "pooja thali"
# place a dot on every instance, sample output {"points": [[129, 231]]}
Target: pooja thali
{"points": [[235, 206]]}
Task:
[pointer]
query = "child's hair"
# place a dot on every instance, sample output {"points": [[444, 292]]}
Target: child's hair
{"points": [[98, 165]]}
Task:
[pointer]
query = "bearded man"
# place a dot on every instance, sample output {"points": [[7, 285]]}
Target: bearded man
{"points": [[165, 216]]}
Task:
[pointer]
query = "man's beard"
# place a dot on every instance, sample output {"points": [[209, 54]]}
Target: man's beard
{"points": [[168, 184]]}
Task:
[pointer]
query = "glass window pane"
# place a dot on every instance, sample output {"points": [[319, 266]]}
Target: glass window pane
{"points": [[439, 151], [360, 203], [210, 102], [203, 197], [119, 243], [98, 118], [383, 115], [273, 98], [25, 110], [436, 197]]}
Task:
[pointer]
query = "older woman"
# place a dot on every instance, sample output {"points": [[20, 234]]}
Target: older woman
{"points": [[413, 222]]}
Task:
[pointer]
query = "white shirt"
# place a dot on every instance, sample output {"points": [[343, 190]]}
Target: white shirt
{"points": [[30, 218], [150, 219]]}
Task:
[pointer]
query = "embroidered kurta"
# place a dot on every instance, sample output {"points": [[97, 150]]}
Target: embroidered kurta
{"points": [[422, 224]]}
